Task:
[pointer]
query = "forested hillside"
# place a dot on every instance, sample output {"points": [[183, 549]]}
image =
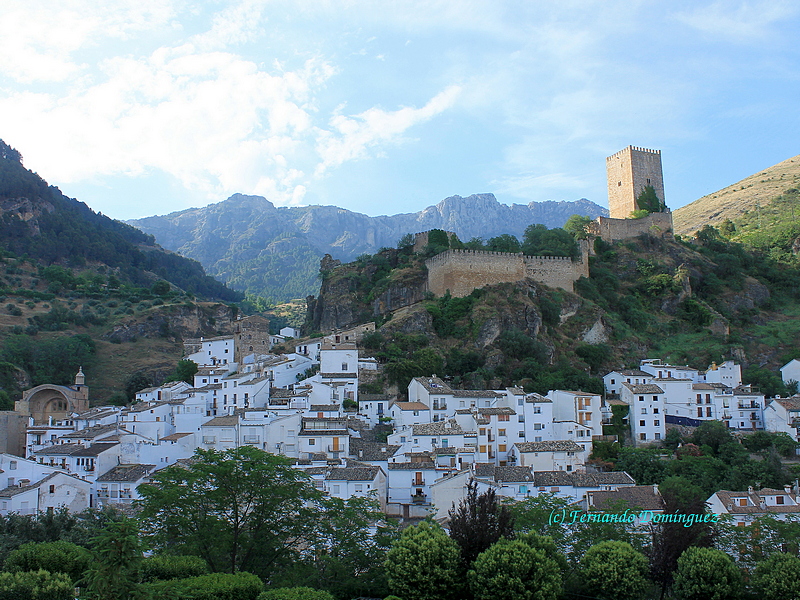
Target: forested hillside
{"points": [[39, 222]]}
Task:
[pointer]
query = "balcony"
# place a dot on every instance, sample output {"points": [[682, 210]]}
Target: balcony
{"points": [[335, 448], [419, 498]]}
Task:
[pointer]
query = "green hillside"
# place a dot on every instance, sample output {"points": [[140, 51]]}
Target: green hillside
{"points": [[694, 301]]}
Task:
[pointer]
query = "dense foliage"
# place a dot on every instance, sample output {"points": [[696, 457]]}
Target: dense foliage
{"points": [[68, 232]]}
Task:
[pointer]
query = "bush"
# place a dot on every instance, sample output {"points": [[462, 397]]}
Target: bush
{"points": [[216, 586], [295, 593], [59, 557], [36, 585], [155, 568]]}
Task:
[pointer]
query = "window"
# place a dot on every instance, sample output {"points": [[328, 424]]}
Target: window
{"points": [[482, 449], [521, 418], [312, 442], [537, 410], [537, 439], [12, 465], [520, 401], [641, 398], [613, 382], [538, 426], [658, 436], [503, 418], [655, 411], [742, 501], [336, 489], [708, 411], [522, 434], [53, 490], [699, 398], [501, 447], [359, 487], [501, 432], [344, 367], [482, 431], [657, 423], [641, 423], [644, 411], [523, 489], [642, 436], [699, 411], [402, 439], [779, 500]]}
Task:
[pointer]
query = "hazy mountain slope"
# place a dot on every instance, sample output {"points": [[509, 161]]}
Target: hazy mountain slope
{"points": [[41, 223], [733, 201], [274, 252]]}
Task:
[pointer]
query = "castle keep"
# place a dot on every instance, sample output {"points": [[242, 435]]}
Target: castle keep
{"points": [[461, 271], [629, 171]]}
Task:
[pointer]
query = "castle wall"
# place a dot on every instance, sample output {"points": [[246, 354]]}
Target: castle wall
{"points": [[658, 224], [461, 271], [628, 172]]}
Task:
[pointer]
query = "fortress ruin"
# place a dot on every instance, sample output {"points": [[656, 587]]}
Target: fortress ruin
{"points": [[461, 271]]}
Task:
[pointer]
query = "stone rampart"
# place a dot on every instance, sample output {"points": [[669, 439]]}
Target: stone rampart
{"points": [[461, 271], [657, 224]]}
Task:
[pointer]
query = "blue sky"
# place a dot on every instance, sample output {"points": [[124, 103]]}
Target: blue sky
{"points": [[142, 107]]}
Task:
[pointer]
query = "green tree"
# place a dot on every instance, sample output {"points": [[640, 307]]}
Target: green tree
{"points": [[504, 243], [406, 242], [649, 201], [5, 401], [36, 585], [423, 564], [776, 578], [239, 509], [56, 557], [117, 551], [184, 371], [539, 240], [514, 570], [578, 226], [160, 288], [477, 522], [706, 574], [614, 570]]}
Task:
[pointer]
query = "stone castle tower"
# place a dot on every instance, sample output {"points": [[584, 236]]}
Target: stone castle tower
{"points": [[629, 171]]}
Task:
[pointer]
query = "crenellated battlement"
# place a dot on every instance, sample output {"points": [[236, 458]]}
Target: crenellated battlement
{"points": [[461, 271]]}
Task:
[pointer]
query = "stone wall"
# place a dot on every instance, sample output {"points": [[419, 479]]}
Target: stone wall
{"points": [[628, 172], [461, 271], [658, 224]]}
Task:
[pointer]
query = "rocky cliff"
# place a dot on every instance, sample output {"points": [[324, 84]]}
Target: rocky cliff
{"points": [[273, 252]]}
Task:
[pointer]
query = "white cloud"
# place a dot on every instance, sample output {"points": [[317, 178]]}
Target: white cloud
{"points": [[741, 22], [351, 138]]}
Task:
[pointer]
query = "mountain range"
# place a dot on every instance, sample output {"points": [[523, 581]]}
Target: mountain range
{"points": [[274, 252]]}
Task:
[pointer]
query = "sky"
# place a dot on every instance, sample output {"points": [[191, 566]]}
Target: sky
{"points": [[144, 107]]}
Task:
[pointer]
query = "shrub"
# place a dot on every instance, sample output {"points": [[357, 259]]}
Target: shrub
{"points": [[295, 593], [36, 585], [172, 567], [60, 557], [215, 586]]}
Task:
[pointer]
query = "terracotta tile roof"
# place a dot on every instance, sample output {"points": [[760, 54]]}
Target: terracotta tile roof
{"points": [[353, 473], [645, 388], [411, 466], [549, 446], [93, 432], [59, 450], [372, 450], [411, 405], [449, 427], [95, 449], [502, 410], [174, 437], [127, 473], [643, 497], [224, 421]]}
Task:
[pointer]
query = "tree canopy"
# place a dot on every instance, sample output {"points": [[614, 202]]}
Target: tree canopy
{"points": [[239, 509]]}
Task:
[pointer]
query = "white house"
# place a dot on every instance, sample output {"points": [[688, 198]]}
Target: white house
{"points": [[359, 481], [214, 351], [783, 415], [583, 407], [647, 411], [557, 455], [53, 490], [747, 506], [790, 372], [613, 381]]}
